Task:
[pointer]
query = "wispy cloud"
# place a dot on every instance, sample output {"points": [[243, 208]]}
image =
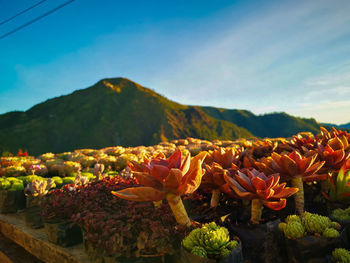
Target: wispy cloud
{"points": [[273, 58]]}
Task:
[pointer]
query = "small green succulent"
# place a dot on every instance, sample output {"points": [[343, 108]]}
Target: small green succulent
{"points": [[211, 238], [330, 232], [341, 255]]}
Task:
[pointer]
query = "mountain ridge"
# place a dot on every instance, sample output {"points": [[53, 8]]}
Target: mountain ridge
{"points": [[118, 111]]}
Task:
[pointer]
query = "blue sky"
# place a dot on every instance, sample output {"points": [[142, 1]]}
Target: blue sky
{"points": [[264, 56]]}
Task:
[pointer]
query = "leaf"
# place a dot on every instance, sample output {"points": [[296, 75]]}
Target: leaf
{"points": [[185, 165], [146, 179], [340, 181], [244, 181], [160, 172], [175, 159], [286, 192], [140, 194], [258, 183], [193, 178], [289, 165], [276, 205], [224, 217], [173, 179], [265, 194]]}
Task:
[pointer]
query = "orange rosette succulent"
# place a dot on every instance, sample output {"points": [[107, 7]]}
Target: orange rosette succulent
{"points": [[166, 179], [296, 168], [335, 152], [264, 190], [326, 135], [304, 142], [217, 164]]}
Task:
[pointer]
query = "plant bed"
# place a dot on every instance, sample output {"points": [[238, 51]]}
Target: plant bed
{"points": [[310, 237], [260, 243], [32, 217], [310, 248], [62, 233], [11, 201]]}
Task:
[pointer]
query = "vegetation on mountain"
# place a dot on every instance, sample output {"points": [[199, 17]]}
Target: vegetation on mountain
{"points": [[118, 111]]}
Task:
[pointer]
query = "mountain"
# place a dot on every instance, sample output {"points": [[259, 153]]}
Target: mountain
{"points": [[118, 111], [345, 126], [267, 125], [111, 112]]}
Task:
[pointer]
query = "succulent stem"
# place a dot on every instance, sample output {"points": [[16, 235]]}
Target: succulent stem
{"points": [[256, 211], [297, 181], [215, 197], [178, 210]]}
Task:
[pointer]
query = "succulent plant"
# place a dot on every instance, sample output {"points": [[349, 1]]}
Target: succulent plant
{"points": [[296, 168], [315, 223], [166, 178], [38, 188], [339, 190], [80, 179], [335, 225], [291, 218], [334, 149], [330, 233], [71, 167], [261, 189], [341, 214], [15, 170], [209, 240], [38, 169], [294, 230], [11, 184], [309, 224], [98, 171], [217, 163], [341, 255]]}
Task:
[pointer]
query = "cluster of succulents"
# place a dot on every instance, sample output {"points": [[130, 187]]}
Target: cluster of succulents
{"points": [[341, 214], [210, 240], [341, 255], [296, 226], [11, 184], [264, 172]]}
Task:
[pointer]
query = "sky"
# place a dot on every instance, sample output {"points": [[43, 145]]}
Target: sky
{"points": [[259, 55]]}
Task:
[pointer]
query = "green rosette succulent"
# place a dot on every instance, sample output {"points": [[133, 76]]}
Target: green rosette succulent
{"points": [[341, 255], [294, 230], [215, 240], [315, 223], [308, 223], [292, 218], [341, 214], [330, 233]]}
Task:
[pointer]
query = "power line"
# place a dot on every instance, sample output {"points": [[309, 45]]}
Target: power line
{"points": [[36, 19], [22, 12]]}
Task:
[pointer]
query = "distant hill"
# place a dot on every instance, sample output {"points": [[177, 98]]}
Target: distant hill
{"points": [[346, 125], [267, 125], [118, 111], [342, 126], [111, 112]]}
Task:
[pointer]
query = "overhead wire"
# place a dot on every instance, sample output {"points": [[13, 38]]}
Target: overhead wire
{"points": [[36, 19], [22, 12]]}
